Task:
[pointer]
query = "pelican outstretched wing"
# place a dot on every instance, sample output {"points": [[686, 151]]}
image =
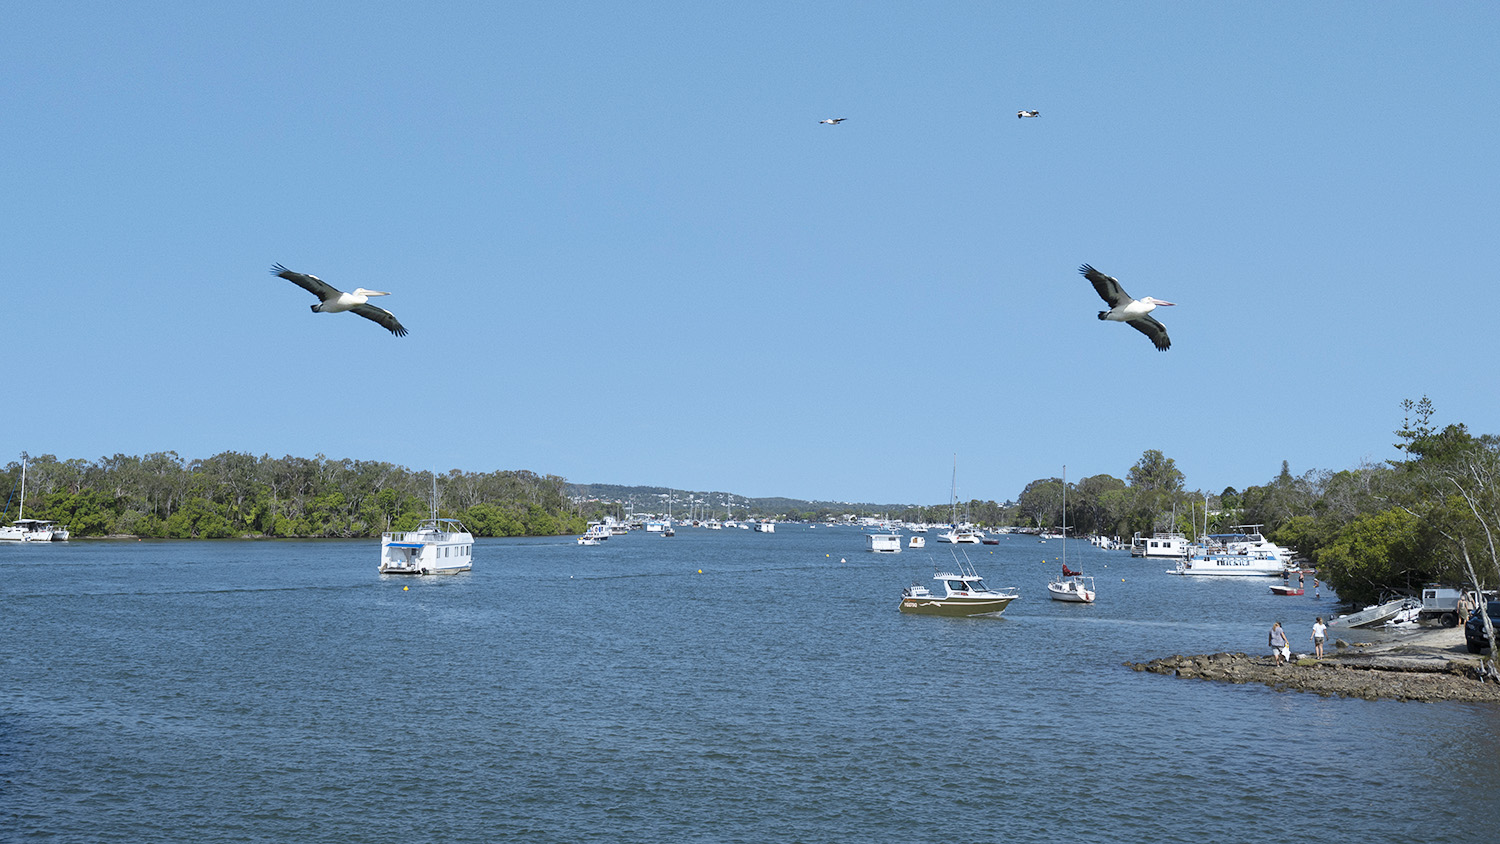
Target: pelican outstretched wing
{"points": [[1151, 328], [1108, 289], [388, 320], [311, 283]]}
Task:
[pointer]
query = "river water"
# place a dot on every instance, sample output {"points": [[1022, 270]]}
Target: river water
{"points": [[284, 691]]}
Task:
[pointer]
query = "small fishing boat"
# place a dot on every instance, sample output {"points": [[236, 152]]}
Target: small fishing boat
{"points": [[1373, 615], [587, 540], [964, 594], [1286, 590]]}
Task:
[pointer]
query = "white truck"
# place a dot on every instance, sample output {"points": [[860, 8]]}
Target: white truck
{"points": [[1440, 603]]}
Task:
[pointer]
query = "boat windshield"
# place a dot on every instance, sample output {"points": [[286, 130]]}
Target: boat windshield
{"points": [[978, 586]]}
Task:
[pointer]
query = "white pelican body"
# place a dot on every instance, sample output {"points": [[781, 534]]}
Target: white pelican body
{"points": [[346, 301], [334, 301], [1133, 312], [834, 121], [1031, 113]]}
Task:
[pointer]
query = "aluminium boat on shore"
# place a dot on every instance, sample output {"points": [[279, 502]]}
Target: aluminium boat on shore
{"points": [[1377, 614]]}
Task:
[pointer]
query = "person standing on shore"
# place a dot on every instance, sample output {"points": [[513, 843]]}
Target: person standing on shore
{"points": [[1463, 609], [1280, 650], [1320, 632]]}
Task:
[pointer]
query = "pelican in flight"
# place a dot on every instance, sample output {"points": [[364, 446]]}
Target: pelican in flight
{"points": [[336, 301], [1133, 312], [834, 121], [1032, 113]]}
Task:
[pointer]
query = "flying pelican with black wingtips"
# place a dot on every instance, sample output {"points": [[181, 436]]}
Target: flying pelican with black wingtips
{"points": [[1028, 113], [1133, 312], [337, 301], [834, 121]]}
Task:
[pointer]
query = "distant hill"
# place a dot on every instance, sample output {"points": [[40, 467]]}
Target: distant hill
{"points": [[715, 504]]}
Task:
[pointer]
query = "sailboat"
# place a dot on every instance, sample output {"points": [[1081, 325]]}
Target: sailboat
{"points": [[1070, 586], [30, 530], [959, 533]]}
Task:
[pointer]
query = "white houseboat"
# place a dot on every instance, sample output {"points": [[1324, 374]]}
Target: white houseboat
{"points": [[1163, 545], [884, 543], [437, 546]]}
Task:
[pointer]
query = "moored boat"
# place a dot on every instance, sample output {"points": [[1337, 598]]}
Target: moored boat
{"points": [[1072, 588], [884, 543], [964, 594], [1286, 590], [917, 542], [437, 546], [30, 530], [1225, 563]]}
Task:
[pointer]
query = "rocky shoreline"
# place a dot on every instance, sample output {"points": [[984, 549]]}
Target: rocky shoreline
{"points": [[1426, 665]]}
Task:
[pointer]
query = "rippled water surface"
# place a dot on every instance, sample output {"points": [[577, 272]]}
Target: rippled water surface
{"points": [[284, 691]]}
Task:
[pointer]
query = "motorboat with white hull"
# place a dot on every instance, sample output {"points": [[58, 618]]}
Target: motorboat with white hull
{"points": [[917, 542], [1230, 564]]}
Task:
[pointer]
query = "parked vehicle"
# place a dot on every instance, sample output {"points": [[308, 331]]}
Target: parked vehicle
{"points": [[1474, 629]]}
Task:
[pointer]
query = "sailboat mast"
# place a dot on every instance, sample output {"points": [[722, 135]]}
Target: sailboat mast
{"points": [[1065, 517], [954, 493]]}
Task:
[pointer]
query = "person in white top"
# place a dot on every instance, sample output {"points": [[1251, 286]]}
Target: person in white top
{"points": [[1320, 632]]}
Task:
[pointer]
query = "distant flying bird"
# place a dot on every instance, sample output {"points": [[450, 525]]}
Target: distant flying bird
{"points": [[1032, 113], [834, 121], [1122, 308], [336, 301]]}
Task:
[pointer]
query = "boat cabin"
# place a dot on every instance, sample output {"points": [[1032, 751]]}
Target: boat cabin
{"points": [[437, 546]]}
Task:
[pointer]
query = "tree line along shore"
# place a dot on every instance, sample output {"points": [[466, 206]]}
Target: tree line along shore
{"points": [[227, 495], [1432, 515]]}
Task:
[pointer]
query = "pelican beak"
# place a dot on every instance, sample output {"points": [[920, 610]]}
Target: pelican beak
{"points": [[1161, 302]]}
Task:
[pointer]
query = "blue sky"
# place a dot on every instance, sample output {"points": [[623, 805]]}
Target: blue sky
{"points": [[628, 253]]}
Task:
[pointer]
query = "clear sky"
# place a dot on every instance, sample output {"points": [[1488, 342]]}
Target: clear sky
{"points": [[627, 251]]}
